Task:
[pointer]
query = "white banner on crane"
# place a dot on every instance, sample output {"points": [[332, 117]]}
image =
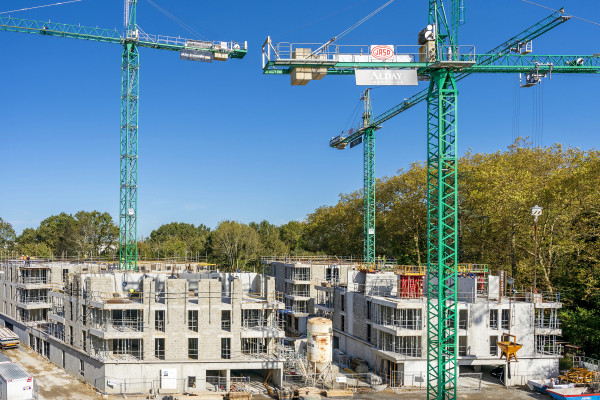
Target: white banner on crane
{"points": [[386, 77], [196, 55]]}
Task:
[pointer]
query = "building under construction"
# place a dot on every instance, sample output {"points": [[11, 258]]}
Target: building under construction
{"points": [[174, 328], [380, 316], [166, 329]]}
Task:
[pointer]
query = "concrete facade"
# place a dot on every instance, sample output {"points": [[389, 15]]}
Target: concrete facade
{"points": [[298, 281], [155, 331], [381, 318]]}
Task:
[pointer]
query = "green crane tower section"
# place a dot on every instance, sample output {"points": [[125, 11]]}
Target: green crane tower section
{"points": [[133, 37], [369, 184], [439, 59]]}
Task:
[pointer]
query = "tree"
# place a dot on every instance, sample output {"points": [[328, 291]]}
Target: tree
{"points": [[7, 235], [60, 233], [235, 244], [271, 244], [291, 234], [178, 239], [96, 232]]}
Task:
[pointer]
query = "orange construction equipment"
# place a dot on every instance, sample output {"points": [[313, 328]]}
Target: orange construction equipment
{"points": [[509, 347]]}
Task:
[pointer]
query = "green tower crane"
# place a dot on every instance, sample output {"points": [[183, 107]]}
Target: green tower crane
{"points": [[358, 135], [369, 184], [132, 38], [442, 61]]}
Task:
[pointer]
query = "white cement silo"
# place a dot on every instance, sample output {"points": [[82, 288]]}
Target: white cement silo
{"points": [[319, 343]]}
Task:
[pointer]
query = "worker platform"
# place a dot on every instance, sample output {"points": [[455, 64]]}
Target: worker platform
{"points": [[312, 61]]}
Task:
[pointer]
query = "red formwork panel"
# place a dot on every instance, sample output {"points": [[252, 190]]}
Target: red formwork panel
{"points": [[410, 286]]}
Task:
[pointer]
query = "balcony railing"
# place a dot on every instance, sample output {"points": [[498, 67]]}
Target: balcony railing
{"points": [[33, 280], [33, 300], [121, 325], [547, 323]]}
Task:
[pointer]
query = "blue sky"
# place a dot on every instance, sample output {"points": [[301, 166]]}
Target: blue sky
{"points": [[222, 141]]}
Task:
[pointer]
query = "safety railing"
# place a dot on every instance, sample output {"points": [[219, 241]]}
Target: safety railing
{"points": [[324, 259], [32, 299], [532, 296], [113, 297], [333, 53], [272, 297], [588, 363], [120, 325], [58, 310], [273, 322], [547, 323], [397, 318], [33, 280]]}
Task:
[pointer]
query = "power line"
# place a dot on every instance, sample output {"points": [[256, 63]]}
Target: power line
{"points": [[47, 5]]}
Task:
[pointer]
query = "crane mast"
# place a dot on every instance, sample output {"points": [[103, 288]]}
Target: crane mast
{"points": [[130, 84], [442, 211], [369, 183]]}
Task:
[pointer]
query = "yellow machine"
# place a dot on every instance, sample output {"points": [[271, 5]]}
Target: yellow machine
{"points": [[509, 347]]}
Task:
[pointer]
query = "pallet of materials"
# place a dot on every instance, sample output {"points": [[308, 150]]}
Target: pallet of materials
{"points": [[8, 339]]}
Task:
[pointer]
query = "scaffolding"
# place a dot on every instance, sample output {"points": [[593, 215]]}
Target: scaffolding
{"points": [[547, 318], [547, 345], [262, 319]]}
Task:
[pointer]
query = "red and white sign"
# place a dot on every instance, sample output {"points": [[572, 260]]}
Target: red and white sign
{"points": [[382, 52]]}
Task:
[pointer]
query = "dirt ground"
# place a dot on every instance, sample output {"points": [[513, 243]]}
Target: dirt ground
{"points": [[53, 382], [496, 393]]}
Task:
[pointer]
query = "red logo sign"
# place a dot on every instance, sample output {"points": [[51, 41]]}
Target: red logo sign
{"points": [[382, 52]]}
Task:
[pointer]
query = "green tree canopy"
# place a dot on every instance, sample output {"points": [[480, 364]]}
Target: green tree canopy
{"points": [[7, 235], [235, 244]]}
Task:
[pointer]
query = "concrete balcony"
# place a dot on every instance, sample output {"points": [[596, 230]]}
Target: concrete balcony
{"points": [[31, 282], [56, 317], [326, 307], [262, 332], [400, 355], [118, 329], [300, 280], [398, 330], [115, 301], [255, 301], [33, 303], [298, 296]]}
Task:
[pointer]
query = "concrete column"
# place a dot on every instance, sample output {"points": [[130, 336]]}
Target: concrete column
{"points": [[228, 380], [201, 380]]}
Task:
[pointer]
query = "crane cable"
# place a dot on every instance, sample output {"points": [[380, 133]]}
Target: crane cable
{"points": [[551, 9], [537, 121], [351, 28], [46, 5], [516, 109], [352, 118], [177, 20]]}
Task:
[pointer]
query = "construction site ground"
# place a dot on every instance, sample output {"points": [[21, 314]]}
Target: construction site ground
{"points": [[53, 382]]}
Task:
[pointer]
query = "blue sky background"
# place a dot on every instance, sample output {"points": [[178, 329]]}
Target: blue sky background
{"points": [[222, 141]]}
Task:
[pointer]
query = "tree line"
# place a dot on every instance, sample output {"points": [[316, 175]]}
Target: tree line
{"points": [[495, 227]]}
